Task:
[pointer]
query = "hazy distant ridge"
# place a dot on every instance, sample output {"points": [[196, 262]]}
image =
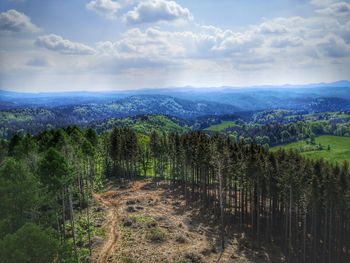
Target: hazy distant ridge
{"points": [[335, 96]]}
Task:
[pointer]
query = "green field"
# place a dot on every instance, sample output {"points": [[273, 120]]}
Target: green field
{"points": [[338, 152], [221, 126]]}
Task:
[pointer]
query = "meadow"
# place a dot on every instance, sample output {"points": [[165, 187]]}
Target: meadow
{"points": [[338, 150], [221, 126]]}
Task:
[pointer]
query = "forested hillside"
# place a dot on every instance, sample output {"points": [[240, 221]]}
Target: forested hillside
{"points": [[68, 161], [47, 182]]}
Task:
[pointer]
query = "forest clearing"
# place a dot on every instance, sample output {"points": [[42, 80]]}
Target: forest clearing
{"points": [[144, 222]]}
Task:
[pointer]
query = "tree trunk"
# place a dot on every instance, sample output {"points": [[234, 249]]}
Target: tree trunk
{"points": [[72, 224], [222, 234]]}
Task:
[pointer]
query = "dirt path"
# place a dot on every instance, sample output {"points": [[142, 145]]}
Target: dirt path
{"points": [[148, 222], [111, 201], [111, 229]]}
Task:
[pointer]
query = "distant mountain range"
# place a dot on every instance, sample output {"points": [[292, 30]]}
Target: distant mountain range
{"points": [[187, 102], [148, 104]]}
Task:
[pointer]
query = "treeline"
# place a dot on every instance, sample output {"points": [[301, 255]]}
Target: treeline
{"points": [[35, 121], [46, 183], [303, 206], [274, 134]]}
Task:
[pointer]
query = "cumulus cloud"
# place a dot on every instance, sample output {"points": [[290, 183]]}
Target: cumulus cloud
{"points": [[279, 41], [239, 42], [152, 11], [14, 21], [175, 47], [340, 9], [64, 46], [272, 27], [107, 8], [334, 47], [281, 26], [204, 52], [159, 44], [148, 43], [288, 41], [323, 2]]}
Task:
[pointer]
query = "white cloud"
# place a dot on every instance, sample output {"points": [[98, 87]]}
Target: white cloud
{"points": [[272, 27], [153, 11], [107, 8], [151, 43], [281, 26], [323, 2], [14, 21], [334, 47], [239, 42], [340, 9], [273, 49], [269, 43], [57, 43], [288, 41]]}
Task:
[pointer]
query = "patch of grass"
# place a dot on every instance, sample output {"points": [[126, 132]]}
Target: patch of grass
{"points": [[128, 259], [127, 233], [339, 148], [221, 126], [343, 116], [143, 219], [156, 234], [144, 225]]}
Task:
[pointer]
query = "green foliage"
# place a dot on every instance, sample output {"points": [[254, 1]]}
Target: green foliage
{"points": [[47, 179], [19, 195], [15, 116], [65, 165], [54, 171], [29, 244], [269, 116], [146, 124], [3, 150], [221, 126], [91, 136], [156, 234]]}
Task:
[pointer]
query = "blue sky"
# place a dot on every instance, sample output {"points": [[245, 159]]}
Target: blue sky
{"points": [[60, 45]]}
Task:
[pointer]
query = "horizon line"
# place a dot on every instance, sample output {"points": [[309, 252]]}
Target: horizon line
{"points": [[271, 86]]}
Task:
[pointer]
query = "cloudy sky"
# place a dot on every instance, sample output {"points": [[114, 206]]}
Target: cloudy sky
{"points": [[59, 45]]}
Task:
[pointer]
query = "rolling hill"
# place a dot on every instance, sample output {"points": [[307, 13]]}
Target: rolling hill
{"points": [[330, 148], [313, 97]]}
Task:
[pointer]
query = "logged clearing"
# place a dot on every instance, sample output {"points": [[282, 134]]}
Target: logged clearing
{"points": [[147, 222]]}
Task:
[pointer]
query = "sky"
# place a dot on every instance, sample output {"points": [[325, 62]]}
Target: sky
{"points": [[95, 45]]}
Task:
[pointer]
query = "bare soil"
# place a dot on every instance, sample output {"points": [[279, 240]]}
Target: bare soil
{"points": [[148, 222]]}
